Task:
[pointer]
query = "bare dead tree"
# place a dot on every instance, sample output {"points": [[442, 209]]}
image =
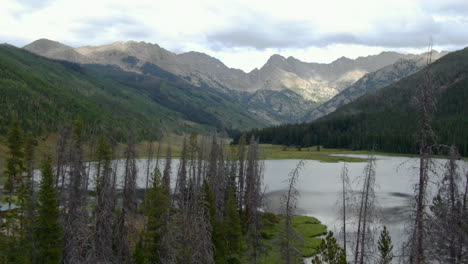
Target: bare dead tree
{"points": [[104, 212], [126, 222], [426, 103], [447, 223], [181, 182], [220, 189], [167, 170], [203, 251], [149, 161], [345, 189], [290, 239], [366, 206], [241, 178], [212, 176], [75, 217], [64, 134], [253, 200]]}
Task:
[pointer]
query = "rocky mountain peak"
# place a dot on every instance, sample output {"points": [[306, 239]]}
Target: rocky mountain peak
{"points": [[46, 46], [276, 59]]}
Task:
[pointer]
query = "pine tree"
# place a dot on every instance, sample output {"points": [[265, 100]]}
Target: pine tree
{"points": [[329, 252], [48, 231], [14, 239], [14, 161], [150, 248], [26, 201], [385, 247], [233, 229]]}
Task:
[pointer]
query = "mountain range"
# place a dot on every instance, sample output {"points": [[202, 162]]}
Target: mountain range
{"points": [[197, 91], [313, 81]]}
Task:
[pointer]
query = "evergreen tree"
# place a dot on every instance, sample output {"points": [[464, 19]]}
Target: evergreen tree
{"points": [[385, 247], [233, 229], [150, 248], [329, 252], [15, 248], [48, 231], [26, 202], [14, 161]]}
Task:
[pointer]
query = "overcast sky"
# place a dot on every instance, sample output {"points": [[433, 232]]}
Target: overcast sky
{"points": [[244, 34]]}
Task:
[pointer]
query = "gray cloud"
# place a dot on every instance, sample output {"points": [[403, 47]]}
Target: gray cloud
{"points": [[408, 33], [264, 34], [128, 28]]}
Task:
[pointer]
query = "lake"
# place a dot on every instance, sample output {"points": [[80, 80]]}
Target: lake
{"points": [[320, 188]]}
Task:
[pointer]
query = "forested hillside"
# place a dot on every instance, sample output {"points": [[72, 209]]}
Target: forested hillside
{"points": [[387, 120], [44, 93]]}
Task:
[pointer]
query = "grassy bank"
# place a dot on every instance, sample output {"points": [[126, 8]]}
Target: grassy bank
{"points": [[308, 227]]}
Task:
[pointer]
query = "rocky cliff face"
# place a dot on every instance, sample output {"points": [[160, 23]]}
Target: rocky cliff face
{"points": [[373, 81], [315, 81]]}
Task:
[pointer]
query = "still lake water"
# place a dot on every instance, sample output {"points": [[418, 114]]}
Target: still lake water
{"points": [[320, 188]]}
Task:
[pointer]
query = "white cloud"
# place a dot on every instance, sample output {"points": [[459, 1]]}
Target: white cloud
{"points": [[244, 33]]}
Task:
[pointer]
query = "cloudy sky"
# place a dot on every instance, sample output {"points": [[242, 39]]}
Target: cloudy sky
{"points": [[245, 33]]}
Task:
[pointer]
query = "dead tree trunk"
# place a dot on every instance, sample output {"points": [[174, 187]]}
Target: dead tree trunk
{"points": [[75, 222], [241, 180], [426, 102], [126, 223], [365, 212], [167, 171], [104, 213], [290, 238], [253, 201], [345, 187]]}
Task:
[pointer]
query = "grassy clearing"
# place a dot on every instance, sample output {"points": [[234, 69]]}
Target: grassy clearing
{"points": [[273, 152], [309, 227]]}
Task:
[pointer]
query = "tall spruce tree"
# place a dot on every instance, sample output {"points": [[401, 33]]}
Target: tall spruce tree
{"points": [[14, 221], [26, 201], [14, 162], [385, 247], [150, 248], [48, 231], [232, 229]]}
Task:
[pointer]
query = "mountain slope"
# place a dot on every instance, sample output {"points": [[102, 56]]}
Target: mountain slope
{"points": [[313, 81], [371, 82], [44, 94], [387, 119]]}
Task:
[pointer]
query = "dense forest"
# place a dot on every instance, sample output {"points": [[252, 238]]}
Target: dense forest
{"points": [[386, 120]]}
